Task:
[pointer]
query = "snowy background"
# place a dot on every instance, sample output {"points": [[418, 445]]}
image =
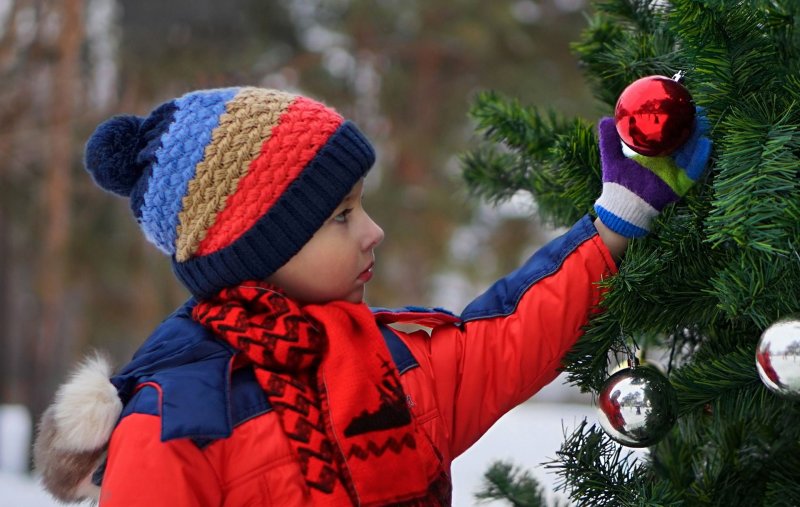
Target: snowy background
{"points": [[528, 436]]}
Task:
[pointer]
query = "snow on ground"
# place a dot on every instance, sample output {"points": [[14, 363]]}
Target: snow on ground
{"points": [[23, 491], [15, 437], [527, 436]]}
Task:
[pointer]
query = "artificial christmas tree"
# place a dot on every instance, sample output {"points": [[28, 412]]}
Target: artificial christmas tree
{"points": [[719, 267]]}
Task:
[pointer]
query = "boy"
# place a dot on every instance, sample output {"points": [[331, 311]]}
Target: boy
{"points": [[275, 384]]}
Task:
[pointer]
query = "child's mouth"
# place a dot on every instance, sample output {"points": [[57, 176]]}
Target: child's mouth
{"points": [[366, 275]]}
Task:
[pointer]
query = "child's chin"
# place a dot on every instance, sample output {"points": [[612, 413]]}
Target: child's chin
{"points": [[355, 297]]}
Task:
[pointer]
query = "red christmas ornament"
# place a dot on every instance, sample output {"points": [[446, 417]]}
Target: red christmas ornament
{"points": [[655, 115]]}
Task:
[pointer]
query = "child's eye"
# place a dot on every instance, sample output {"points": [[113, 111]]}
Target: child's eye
{"points": [[342, 217]]}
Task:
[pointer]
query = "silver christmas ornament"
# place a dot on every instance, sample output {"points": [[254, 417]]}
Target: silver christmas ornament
{"points": [[637, 406], [778, 357]]}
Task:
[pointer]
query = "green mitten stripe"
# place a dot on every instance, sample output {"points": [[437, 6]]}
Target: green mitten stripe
{"points": [[666, 169]]}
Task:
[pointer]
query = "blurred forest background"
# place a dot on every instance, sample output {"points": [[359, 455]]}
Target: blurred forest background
{"points": [[75, 271]]}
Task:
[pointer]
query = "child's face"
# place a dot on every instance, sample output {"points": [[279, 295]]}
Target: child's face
{"points": [[337, 262]]}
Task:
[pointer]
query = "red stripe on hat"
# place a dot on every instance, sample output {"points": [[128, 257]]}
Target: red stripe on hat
{"points": [[301, 131]]}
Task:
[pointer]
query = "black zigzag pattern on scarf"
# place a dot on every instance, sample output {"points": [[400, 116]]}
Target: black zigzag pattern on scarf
{"points": [[391, 444], [267, 340], [326, 481], [275, 337]]}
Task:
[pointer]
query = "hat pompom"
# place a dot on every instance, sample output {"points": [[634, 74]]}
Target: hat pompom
{"points": [[110, 155]]}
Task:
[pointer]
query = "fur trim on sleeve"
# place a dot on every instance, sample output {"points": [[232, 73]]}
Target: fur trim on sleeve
{"points": [[74, 431]]}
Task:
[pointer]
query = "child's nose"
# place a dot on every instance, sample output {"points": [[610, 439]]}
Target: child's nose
{"points": [[375, 234]]}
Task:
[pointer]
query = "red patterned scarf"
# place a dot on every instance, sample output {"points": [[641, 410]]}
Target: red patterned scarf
{"points": [[331, 380]]}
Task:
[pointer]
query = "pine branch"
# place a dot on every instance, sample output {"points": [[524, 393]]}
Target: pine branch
{"points": [[642, 15], [670, 460], [614, 57], [663, 284], [595, 472], [757, 177], [702, 382], [752, 287], [504, 481], [577, 158], [736, 48], [586, 364], [744, 441], [554, 159], [731, 450], [523, 129], [783, 488], [493, 175]]}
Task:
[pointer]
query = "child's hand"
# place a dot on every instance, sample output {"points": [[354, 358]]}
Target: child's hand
{"points": [[636, 189]]}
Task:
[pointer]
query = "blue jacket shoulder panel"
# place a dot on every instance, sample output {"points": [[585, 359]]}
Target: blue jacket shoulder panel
{"points": [[401, 355], [247, 400], [189, 370], [503, 296], [184, 374]]}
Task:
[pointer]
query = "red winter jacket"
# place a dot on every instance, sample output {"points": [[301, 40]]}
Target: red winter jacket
{"points": [[196, 432]]}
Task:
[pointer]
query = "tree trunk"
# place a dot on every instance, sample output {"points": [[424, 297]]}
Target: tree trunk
{"points": [[57, 195]]}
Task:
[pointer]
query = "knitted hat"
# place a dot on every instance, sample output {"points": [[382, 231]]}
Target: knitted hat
{"points": [[230, 182]]}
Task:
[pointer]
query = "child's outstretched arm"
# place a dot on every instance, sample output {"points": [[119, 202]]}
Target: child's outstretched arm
{"points": [[514, 336]]}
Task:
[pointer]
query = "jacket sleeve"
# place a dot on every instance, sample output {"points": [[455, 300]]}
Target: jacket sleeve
{"points": [[144, 471], [514, 336]]}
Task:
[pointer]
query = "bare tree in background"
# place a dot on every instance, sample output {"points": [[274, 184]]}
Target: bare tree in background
{"points": [[20, 56], [64, 87], [40, 52]]}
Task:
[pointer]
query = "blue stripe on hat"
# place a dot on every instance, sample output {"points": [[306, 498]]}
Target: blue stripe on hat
{"points": [[182, 148], [152, 130]]}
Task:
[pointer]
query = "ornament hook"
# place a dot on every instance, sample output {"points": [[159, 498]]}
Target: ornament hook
{"points": [[679, 76], [633, 362]]}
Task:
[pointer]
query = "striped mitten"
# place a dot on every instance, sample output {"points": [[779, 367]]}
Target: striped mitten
{"points": [[636, 188]]}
